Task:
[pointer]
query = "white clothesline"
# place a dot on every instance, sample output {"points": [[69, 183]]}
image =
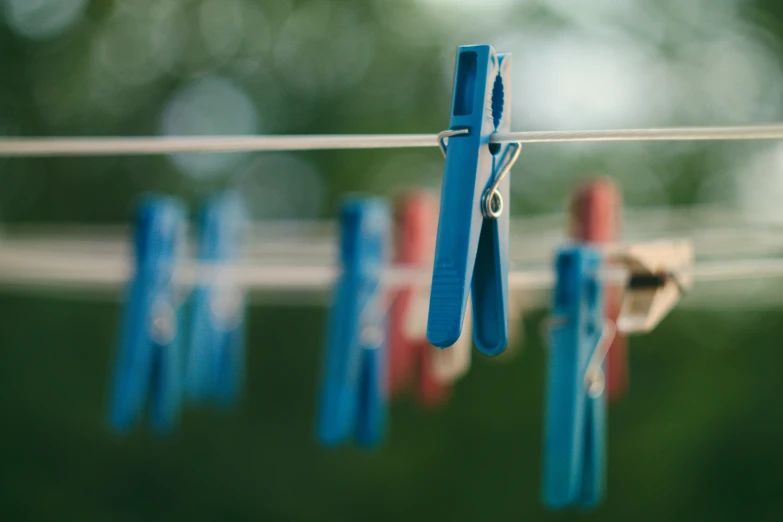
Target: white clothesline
{"points": [[79, 270], [113, 146]]}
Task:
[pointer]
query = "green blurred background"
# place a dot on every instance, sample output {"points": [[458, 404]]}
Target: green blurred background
{"points": [[698, 437]]}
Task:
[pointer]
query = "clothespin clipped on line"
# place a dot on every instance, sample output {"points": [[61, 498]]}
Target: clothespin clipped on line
{"points": [[149, 359], [471, 253], [353, 394], [215, 362], [660, 273], [575, 415], [575, 410], [411, 356], [594, 218]]}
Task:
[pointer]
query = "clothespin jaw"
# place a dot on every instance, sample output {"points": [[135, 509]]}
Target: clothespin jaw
{"points": [[353, 387], [595, 211], [471, 252], [660, 273], [149, 358], [575, 416], [215, 362]]}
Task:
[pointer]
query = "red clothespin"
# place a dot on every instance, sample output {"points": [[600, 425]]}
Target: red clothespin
{"points": [[595, 218], [411, 356]]}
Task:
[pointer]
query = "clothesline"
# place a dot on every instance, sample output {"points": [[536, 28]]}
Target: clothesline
{"points": [[532, 240], [85, 271], [112, 146]]}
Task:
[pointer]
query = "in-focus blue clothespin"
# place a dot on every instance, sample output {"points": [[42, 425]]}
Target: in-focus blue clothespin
{"points": [[149, 361], [353, 400], [471, 253], [575, 416], [215, 360]]}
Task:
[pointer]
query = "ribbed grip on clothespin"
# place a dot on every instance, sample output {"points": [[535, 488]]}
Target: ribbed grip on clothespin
{"points": [[412, 357]]}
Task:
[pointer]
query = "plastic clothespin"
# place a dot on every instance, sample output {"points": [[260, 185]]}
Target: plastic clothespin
{"points": [[353, 394], [471, 252], [595, 210], [410, 354], [575, 422], [150, 358], [661, 272], [215, 362]]}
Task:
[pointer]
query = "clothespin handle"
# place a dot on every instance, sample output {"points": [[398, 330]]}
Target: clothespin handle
{"points": [[595, 214], [415, 222]]}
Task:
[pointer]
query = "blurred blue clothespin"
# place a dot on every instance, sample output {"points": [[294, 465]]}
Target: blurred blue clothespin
{"points": [[353, 397], [215, 360], [471, 253], [149, 358], [575, 422]]}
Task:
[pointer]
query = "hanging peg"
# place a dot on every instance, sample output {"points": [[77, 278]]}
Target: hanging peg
{"points": [[215, 362], [575, 415], [471, 253], [414, 242], [410, 354], [149, 358], [595, 210], [661, 272], [353, 397]]}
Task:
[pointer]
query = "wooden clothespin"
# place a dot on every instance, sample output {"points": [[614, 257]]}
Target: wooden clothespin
{"points": [[411, 356], [595, 211], [471, 253], [215, 361], [149, 360], [353, 394], [660, 273]]}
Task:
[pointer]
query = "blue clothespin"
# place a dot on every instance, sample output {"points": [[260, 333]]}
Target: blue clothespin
{"points": [[471, 254], [149, 359], [215, 361], [575, 422], [353, 393]]}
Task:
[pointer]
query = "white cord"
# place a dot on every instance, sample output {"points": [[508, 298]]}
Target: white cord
{"points": [[532, 240], [751, 132], [95, 146], [77, 271], [178, 144]]}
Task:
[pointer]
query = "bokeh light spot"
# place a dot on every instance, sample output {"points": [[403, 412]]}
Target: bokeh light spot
{"points": [[575, 80], [138, 45], [759, 185], [209, 106], [43, 19], [222, 26], [282, 186], [323, 48]]}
